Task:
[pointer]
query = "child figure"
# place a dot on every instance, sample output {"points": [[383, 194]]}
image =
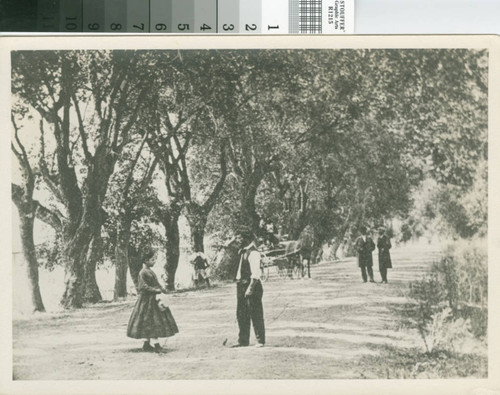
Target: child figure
{"points": [[149, 321], [200, 264]]}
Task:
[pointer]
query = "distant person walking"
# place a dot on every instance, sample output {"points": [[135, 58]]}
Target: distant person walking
{"points": [[149, 321], [249, 290], [384, 256], [306, 245], [364, 246]]}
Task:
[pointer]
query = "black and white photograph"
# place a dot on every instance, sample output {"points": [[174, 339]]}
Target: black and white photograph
{"points": [[249, 208]]}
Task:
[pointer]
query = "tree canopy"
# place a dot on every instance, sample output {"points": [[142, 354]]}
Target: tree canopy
{"points": [[332, 139]]}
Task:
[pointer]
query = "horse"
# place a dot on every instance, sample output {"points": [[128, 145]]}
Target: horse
{"points": [[292, 254], [298, 251]]}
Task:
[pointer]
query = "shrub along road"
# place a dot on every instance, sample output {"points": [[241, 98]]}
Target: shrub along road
{"points": [[331, 327]]}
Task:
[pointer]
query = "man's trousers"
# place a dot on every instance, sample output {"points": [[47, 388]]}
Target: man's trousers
{"points": [[250, 309], [364, 269]]}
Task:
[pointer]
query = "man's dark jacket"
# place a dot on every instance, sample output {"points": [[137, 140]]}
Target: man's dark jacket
{"points": [[364, 249]]}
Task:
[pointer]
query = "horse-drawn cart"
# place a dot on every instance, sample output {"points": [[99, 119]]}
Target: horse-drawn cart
{"points": [[285, 259]]}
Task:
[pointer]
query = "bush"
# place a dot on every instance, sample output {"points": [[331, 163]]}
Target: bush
{"points": [[450, 303], [478, 317], [446, 332], [427, 299], [411, 363], [464, 274]]}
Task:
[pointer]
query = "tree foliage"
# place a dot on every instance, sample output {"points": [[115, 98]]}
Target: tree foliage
{"points": [[324, 139]]}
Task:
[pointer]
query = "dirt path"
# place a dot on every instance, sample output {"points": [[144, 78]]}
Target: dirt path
{"points": [[319, 328]]}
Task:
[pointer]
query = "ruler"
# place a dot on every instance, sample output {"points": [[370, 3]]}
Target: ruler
{"points": [[179, 16]]}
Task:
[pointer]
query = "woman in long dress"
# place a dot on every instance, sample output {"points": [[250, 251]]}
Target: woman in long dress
{"points": [[148, 320]]}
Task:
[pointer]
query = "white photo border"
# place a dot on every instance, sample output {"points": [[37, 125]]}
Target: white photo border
{"points": [[491, 385]]}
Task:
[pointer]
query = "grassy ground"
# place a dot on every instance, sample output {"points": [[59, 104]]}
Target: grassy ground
{"points": [[331, 327]]}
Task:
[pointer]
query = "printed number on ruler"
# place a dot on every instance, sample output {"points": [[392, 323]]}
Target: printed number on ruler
{"points": [[161, 16], [197, 16], [137, 16]]}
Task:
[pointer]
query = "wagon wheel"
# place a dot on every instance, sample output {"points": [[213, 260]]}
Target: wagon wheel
{"points": [[281, 268], [289, 267], [264, 268], [264, 275], [298, 267]]}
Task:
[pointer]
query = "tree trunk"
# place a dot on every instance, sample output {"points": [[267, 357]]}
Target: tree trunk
{"points": [[197, 219], [228, 265], [91, 289], [134, 266], [171, 223], [27, 208], [248, 213], [334, 248], [80, 283], [84, 249], [349, 247], [122, 258], [91, 293], [74, 259], [27, 222], [342, 238], [303, 204], [300, 213]]}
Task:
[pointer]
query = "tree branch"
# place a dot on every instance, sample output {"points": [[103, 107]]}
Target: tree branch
{"points": [[149, 174], [131, 121], [81, 128], [69, 182], [130, 178], [22, 155], [210, 202], [17, 193], [48, 216], [17, 153], [234, 162], [49, 180]]}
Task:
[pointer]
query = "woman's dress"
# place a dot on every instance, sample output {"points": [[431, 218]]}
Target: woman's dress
{"points": [[148, 320]]}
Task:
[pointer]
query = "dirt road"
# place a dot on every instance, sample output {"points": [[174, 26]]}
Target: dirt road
{"points": [[319, 328]]}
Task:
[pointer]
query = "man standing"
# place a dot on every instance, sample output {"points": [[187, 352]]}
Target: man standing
{"points": [[364, 246], [249, 290], [384, 256]]}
